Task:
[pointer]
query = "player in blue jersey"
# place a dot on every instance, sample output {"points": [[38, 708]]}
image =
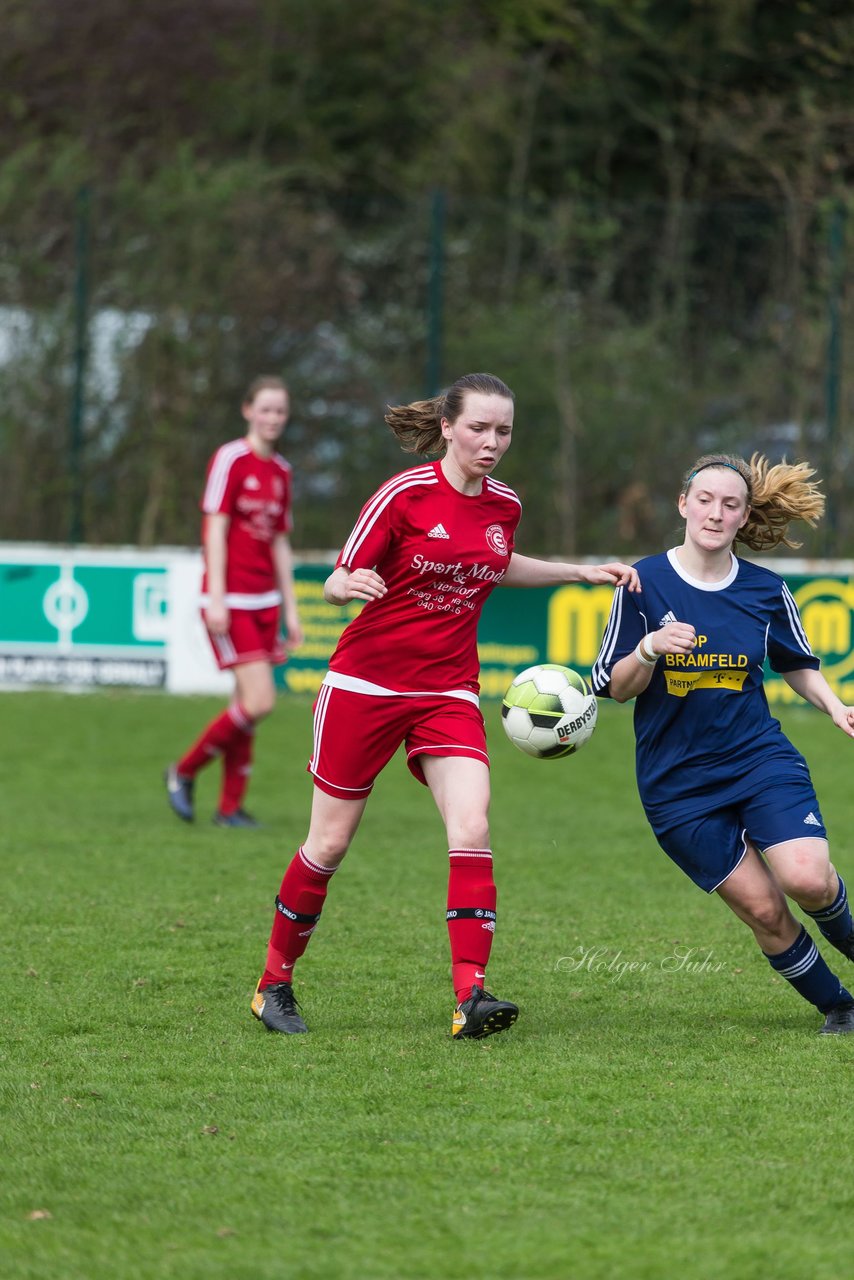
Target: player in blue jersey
{"points": [[728, 797]]}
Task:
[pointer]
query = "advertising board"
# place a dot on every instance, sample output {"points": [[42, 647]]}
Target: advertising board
{"points": [[88, 618]]}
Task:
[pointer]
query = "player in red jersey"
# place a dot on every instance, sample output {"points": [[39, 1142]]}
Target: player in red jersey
{"points": [[248, 586], [426, 551]]}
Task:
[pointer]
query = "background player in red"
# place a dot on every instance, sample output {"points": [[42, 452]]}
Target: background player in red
{"points": [[248, 587], [425, 553]]}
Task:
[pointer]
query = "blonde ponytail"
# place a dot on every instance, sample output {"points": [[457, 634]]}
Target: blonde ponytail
{"points": [[777, 495], [780, 494]]}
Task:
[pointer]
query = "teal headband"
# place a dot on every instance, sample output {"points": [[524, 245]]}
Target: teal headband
{"points": [[714, 464]]}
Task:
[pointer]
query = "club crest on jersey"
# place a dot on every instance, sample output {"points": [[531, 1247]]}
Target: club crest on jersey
{"points": [[497, 541]]}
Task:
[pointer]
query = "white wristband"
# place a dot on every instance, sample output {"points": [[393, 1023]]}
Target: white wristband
{"points": [[646, 646], [642, 658]]}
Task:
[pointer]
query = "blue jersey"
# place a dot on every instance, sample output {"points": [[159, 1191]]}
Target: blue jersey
{"points": [[704, 735]]}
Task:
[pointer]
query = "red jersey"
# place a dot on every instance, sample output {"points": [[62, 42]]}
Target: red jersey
{"points": [[255, 494], [440, 552]]}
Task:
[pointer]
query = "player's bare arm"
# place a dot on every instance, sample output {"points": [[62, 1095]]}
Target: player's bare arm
{"points": [[812, 686], [344, 585], [616, 573], [524, 571], [217, 614], [632, 674]]}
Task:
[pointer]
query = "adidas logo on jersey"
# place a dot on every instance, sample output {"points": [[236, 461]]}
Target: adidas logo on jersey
{"points": [[668, 617], [252, 482], [811, 821], [438, 531]]}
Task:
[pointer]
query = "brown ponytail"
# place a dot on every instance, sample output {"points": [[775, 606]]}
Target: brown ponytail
{"points": [[267, 382], [418, 426]]}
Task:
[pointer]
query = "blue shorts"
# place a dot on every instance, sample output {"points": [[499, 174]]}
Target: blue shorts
{"points": [[710, 846]]}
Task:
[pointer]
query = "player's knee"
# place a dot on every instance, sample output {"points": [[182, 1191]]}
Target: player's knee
{"points": [[260, 704], [812, 886], [771, 915], [266, 705], [328, 847]]}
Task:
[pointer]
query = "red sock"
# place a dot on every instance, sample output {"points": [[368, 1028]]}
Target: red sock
{"points": [[471, 917], [214, 741], [236, 768], [298, 907]]}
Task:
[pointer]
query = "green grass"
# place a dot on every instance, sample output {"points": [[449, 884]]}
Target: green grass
{"points": [[641, 1122]]}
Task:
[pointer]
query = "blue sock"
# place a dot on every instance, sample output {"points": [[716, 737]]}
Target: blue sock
{"points": [[835, 921], [802, 965]]}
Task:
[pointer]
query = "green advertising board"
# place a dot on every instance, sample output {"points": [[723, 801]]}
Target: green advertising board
{"points": [[88, 618], [826, 604], [565, 625], [82, 619]]}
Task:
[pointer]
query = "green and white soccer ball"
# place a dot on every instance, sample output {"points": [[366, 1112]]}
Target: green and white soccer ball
{"points": [[549, 711]]}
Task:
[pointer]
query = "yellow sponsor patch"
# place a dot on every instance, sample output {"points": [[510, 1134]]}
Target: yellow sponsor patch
{"points": [[683, 682]]}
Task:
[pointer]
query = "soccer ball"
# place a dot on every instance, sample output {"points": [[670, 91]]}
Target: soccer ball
{"points": [[549, 711]]}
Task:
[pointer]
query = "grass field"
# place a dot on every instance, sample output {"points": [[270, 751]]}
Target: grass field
{"points": [[662, 1108]]}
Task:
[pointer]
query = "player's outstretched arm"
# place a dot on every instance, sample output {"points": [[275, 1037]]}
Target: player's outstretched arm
{"points": [[523, 571], [344, 585], [813, 687]]}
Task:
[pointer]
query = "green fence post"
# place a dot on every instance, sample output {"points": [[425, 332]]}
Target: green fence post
{"points": [[833, 371], [81, 351], [435, 300]]}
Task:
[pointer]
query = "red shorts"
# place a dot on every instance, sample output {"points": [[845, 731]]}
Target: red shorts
{"points": [[356, 734], [254, 635]]}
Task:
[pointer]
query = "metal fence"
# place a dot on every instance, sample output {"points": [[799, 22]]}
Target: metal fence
{"points": [[635, 336]]}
